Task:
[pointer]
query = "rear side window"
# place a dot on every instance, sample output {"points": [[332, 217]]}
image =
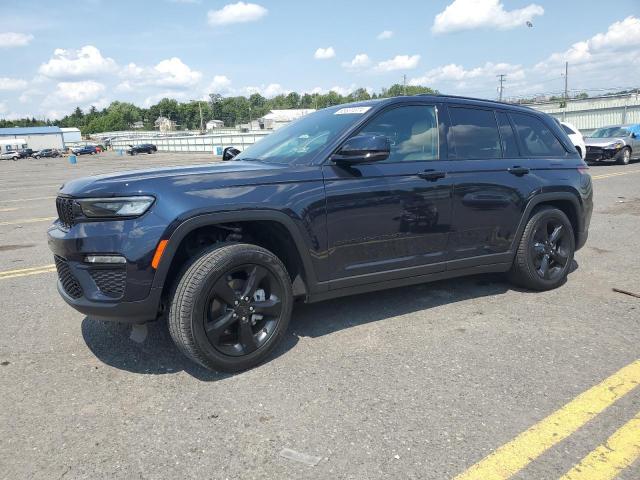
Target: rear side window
{"points": [[535, 138], [473, 134], [509, 143], [567, 130]]}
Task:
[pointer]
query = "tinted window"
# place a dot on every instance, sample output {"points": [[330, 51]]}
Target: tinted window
{"points": [[509, 144], [474, 133], [535, 138], [412, 132], [567, 130]]}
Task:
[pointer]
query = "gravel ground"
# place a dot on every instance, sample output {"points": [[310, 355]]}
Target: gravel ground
{"points": [[418, 382]]}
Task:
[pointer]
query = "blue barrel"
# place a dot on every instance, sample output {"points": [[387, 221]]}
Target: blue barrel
{"points": [[218, 151], [73, 159]]}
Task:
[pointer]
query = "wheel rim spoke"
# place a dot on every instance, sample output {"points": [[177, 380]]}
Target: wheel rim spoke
{"points": [[560, 257], [544, 266], [556, 234], [246, 338], [256, 275], [270, 307], [538, 248], [215, 328], [224, 292]]}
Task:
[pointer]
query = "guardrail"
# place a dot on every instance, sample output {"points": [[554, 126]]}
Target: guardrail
{"points": [[213, 143]]}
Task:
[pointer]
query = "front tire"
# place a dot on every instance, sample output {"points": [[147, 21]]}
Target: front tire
{"points": [[624, 157], [545, 252], [231, 307]]}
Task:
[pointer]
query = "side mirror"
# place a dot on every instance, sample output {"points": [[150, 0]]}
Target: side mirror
{"points": [[229, 153], [634, 135], [363, 149]]}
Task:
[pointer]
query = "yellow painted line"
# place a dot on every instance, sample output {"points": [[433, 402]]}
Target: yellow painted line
{"points": [[27, 220], [23, 272], [616, 174], [31, 187], [16, 200], [513, 456], [8, 209], [607, 461]]}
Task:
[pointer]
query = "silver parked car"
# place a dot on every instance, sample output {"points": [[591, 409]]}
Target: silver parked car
{"points": [[619, 143]]}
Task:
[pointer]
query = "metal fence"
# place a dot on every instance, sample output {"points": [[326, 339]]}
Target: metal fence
{"points": [[213, 143], [592, 113]]}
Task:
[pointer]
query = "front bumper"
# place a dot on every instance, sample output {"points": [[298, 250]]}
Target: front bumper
{"points": [[595, 154], [118, 292]]}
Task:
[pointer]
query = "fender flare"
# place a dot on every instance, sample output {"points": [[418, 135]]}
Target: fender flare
{"points": [[541, 198], [207, 219]]}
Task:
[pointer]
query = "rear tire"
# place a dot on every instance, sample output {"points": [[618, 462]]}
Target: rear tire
{"points": [[545, 252], [231, 307], [624, 156]]}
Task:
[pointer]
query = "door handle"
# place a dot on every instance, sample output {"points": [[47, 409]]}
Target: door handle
{"points": [[431, 175], [518, 170]]}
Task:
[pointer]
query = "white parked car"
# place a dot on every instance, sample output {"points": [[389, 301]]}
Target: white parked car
{"points": [[576, 138]]}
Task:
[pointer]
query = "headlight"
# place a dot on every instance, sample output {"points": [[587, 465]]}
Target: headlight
{"points": [[616, 145], [114, 207]]}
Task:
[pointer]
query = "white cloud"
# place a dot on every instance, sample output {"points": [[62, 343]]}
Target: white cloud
{"points": [[359, 62], [78, 92], [324, 53], [174, 73], [169, 73], [240, 12], [472, 14], [219, 84], [269, 91], [385, 34], [3, 108], [7, 83], [14, 39], [87, 62], [399, 62], [458, 75]]}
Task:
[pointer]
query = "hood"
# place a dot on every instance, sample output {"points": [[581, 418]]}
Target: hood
{"points": [[215, 175], [602, 142]]}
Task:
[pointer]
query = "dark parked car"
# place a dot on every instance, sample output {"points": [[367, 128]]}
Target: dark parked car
{"points": [[26, 152], [46, 152], [86, 150], [143, 148], [350, 199]]}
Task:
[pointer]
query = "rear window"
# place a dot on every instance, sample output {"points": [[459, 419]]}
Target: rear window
{"points": [[535, 138], [473, 134]]}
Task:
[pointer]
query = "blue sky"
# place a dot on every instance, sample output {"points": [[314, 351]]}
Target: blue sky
{"points": [[56, 55]]}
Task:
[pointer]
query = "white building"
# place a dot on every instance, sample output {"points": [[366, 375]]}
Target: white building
{"points": [[213, 124], [71, 135], [36, 138], [165, 124], [277, 118]]}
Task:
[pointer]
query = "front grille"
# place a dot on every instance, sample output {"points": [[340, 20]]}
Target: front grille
{"points": [[67, 279], [111, 282], [64, 206]]}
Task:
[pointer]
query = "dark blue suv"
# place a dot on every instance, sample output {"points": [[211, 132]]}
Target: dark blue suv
{"points": [[353, 198]]}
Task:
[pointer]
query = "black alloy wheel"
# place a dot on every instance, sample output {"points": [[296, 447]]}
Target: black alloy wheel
{"points": [[231, 306], [550, 249], [242, 310]]}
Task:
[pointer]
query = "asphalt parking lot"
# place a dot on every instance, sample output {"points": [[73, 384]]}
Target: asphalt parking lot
{"points": [[468, 377]]}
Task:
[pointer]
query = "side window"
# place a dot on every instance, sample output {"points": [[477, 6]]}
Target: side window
{"points": [[567, 130], [508, 139], [412, 132], [474, 133], [535, 138]]}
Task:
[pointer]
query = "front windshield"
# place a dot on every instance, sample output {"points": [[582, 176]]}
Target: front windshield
{"points": [[300, 140], [609, 132]]}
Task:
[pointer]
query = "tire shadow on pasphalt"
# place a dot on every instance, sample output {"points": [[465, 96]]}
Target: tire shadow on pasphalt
{"points": [[111, 342]]}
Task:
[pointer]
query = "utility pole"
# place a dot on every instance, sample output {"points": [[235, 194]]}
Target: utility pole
{"points": [[201, 125], [501, 78], [404, 84], [566, 90]]}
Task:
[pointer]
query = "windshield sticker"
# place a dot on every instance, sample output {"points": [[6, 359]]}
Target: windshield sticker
{"points": [[352, 111]]}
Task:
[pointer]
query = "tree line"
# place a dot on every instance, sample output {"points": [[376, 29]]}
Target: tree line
{"points": [[231, 110]]}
